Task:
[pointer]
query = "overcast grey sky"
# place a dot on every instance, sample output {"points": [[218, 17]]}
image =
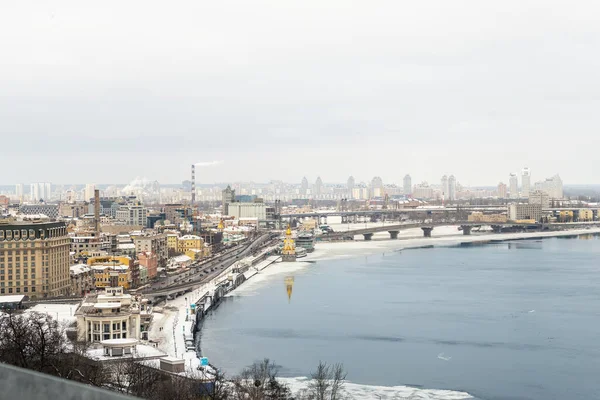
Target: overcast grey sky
{"points": [[106, 91]]}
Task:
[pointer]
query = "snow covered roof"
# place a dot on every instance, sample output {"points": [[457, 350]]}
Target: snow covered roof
{"points": [[107, 305], [15, 298], [119, 342], [79, 269], [189, 237], [181, 259]]}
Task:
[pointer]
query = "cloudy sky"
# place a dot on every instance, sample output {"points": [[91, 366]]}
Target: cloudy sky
{"points": [[106, 91]]}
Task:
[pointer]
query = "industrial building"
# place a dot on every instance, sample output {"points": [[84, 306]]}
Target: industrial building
{"points": [[525, 212], [248, 210]]}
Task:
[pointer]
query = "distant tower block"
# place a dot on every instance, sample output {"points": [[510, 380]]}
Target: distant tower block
{"points": [[193, 183], [289, 247]]}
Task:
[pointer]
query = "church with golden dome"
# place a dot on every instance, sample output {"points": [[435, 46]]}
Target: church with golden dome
{"points": [[288, 253]]}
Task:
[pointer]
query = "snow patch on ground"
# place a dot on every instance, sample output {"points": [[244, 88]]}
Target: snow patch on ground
{"points": [[64, 313], [354, 391]]}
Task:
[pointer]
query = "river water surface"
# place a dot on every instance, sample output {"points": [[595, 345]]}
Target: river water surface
{"points": [[512, 320]]}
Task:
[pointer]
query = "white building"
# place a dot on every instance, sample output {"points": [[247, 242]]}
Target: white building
{"points": [[88, 193], [539, 197], [525, 183], [113, 315], [407, 184], [451, 188], [248, 210], [513, 186], [19, 192], [553, 186], [132, 215], [423, 191], [444, 184]]}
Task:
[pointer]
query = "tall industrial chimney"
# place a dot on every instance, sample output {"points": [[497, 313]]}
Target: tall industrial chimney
{"points": [[97, 211], [193, 184]]}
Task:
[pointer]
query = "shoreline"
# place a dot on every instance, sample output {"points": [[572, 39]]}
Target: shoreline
{"points": [[338, 250], [353, 249]]}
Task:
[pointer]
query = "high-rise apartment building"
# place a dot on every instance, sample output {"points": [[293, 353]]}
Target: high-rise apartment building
{"points": [[34, 259], [88, 193], [407, 184], [525, 183], [350, 186], [304, 187], [444, 186], [227, 197], [40, 191], [377, 187], [513, 182], [553, 186], [502, 190], [318, 187], [451, 188], [19, 192]]}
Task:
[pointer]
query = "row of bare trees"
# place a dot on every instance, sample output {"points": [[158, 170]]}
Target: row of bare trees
{"points": [[36, 341]]}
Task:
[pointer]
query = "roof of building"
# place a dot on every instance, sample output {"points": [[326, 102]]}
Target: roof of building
{"points": [[119, 342], [15, 298], [190, 237], [182, 258], [79, 269], [107, 305]]}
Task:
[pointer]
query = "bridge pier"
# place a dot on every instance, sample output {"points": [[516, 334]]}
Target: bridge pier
{"points": [[393, 234], [344, 219], [427, 230], [466, 229], [367, 236]]}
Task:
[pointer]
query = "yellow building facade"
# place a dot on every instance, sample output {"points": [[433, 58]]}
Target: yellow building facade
{"points": [[111, 271], [566, 216], [586, 215], [108, 276], [172, 241], [189, 242]]}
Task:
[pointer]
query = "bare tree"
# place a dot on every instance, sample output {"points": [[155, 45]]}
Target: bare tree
{"points": [[327, 382], [259, 382], [32, 340]]}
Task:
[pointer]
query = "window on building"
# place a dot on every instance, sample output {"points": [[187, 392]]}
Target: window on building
{"points": [[25, 289], [106, 336], [33, 288], [9, 290], [106, 327], [124, 325]]}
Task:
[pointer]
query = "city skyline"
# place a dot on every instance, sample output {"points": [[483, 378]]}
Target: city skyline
{"points": [[391, 90]]}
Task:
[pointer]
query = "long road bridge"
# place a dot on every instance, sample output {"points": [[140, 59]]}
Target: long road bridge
{"points": [[456, 212], [466, 227]]}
